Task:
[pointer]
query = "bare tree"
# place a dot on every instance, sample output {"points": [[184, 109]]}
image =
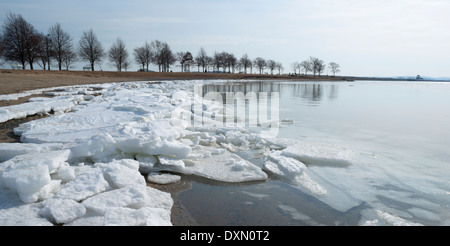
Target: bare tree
{"points": [[44, 56], [246, 62], [229, 61], [47, 53], [158, 49], [217, 60], [188, 61], [209, 62], [2, 49], [334, 67], [126, 65], [20, 40], [60, 43], [164, 56], [271, 64], [279, 67], [260, 63], [318, 66], [185, 59], [144, 56], [69, 57], [90, 49], [118, 54], [306, 66], [295, 66], [199, 62], [202, 59], [33, 47]]}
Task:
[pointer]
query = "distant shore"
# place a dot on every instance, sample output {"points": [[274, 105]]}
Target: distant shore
{"points": [[15, 81]]}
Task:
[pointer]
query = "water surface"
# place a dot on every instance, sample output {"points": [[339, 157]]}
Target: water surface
{"points": [[400, 132]]}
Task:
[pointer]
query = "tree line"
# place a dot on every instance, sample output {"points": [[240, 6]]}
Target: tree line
{"points": [[20, 42], [315, 66]]}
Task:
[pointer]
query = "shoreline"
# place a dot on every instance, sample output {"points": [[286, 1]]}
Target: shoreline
{"points": [[16, 81], [180, 215]]}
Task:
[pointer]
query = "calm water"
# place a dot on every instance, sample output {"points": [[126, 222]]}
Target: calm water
{"points": [[400, 132]]}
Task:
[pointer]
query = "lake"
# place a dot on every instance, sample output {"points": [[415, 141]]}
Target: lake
{"points": [[399, 130]]}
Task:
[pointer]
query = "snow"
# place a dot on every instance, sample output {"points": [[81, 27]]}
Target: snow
{"points": [[90, 166]]}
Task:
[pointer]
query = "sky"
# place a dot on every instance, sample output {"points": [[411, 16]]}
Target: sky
{"points": [[366, 37]]}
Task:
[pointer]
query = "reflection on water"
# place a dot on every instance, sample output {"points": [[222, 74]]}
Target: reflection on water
{"points": [[312, 93]]}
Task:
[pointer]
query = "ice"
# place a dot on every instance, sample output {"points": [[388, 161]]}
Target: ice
{"points": [[394, 220], [8, 97], [90, 166], [146, 163], [14, 212], [163, 178], [29, 174], [88, 182], [125, 217], [292, 171], [99, 148], [10, 150], [92, 220], [157, 216], [65, 173], [226, 167], [52, 159], [57, 105], [131, 197], [120, 176], [27, 182], [62, 211], [312, 153], [284, 167], [297, 215]]}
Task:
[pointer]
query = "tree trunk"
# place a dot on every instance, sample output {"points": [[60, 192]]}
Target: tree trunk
{"points": [[92, 66]]}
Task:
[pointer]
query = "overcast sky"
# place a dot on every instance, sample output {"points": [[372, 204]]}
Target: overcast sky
{"points": [[366, 37]]}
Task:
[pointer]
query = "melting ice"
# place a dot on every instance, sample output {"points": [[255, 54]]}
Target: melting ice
{"points": [[88, 163]]}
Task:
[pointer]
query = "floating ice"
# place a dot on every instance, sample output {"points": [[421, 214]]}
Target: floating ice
{"points": [[292, 171], [394, 220], [163, 178], [319, 154], [226, 167]]}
